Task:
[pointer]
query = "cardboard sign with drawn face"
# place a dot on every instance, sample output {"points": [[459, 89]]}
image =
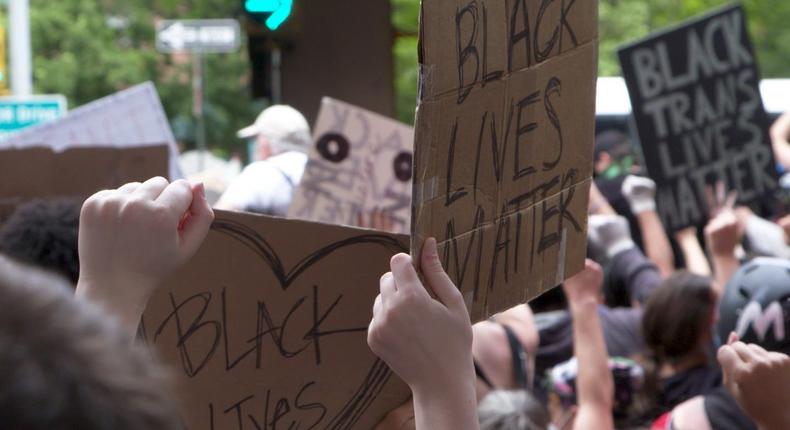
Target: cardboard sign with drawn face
{"points": [[360, 164]]}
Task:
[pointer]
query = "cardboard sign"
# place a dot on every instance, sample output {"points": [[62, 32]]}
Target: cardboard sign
{"points": [[361, 162], [504, 141], [41, 173], [262, 332], [699, 114], [130, 118]]}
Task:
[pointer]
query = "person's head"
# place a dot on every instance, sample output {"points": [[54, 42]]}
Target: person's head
{"points": [[627, 375], [756, 304], [678, 317], [44, 233], [63, 365], [511, 410], [613, 154], [278, 129]]}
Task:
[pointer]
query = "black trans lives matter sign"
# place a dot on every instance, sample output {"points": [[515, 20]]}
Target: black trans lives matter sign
{"points": [[696, 101]]}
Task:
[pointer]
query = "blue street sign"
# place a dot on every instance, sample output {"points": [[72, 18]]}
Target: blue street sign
{"points": [[17, 113]]}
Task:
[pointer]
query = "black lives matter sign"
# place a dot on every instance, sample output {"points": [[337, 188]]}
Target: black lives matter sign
{"points": [[700, 117]]}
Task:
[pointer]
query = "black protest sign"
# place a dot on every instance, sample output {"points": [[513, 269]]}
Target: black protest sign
{"points": [[696, 101]]}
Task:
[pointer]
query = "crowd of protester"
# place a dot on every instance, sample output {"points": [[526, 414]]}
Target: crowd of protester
{"points": [[660, 330]]}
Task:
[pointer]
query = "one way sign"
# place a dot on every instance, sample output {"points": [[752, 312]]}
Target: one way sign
{"points": [[200, 35]]}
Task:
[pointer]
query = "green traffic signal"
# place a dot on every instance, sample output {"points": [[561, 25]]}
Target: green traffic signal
{"points": [[280, 10]]}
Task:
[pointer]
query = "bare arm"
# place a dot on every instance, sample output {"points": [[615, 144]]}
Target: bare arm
{"points": [[640, 193], [656, 243], [595, 386], [696, 261], [723, 237]]}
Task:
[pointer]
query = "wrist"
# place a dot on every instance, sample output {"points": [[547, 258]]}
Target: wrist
{"points": [[639, 206], [583, 304], [123, 300]]}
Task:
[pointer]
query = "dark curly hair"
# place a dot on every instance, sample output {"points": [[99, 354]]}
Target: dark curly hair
{"points": [[44, 233]]}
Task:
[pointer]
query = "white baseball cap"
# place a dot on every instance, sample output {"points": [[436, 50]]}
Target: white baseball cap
{"points": [[284, 126]]}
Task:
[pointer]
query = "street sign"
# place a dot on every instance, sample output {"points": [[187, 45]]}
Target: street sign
{"points": [[17, 113], [199, 35], [280, 10]]}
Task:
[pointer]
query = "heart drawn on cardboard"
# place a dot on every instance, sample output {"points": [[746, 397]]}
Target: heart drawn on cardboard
{"points": [[258, 343]]}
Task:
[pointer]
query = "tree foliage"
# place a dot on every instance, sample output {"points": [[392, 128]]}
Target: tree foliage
{"points": [[87, 49], [621, 21]]}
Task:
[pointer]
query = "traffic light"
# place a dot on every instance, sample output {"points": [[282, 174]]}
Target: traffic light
{"points": [[271, 13]]}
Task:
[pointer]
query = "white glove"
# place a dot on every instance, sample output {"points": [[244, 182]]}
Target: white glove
{"points": [[609, 235], [640, 193]]}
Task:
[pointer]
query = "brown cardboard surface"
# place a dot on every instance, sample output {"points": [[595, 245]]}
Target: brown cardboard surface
{"points": [[360, 161], [468, 43], [261, 332], [38, 172], [503, 148]]}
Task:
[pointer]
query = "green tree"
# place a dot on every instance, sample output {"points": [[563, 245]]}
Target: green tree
{"points": [[621, 22], [86, 49]]}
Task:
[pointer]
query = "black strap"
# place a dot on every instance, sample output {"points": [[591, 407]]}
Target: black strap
{"points": [[483, 377], [518, 356], [287, 178]]}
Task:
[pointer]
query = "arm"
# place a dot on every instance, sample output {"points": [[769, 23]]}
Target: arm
{"points": [[598, 203], [611, 237], [426, 341], [722, 235], [595, 386], [640, 193], [696, 262], [780, 132], [132, 238]]}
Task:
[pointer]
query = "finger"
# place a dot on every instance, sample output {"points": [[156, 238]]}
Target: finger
{"points": [[732, 338], [720, 193], [197, 225], [744, 352], [377, 306], [437, 278], [129, 188], [732, 197], [731, 364], [177, 198], [710, 200], [406, 279], [360, 219], [387, 288], [152, 188], [758, 351]]}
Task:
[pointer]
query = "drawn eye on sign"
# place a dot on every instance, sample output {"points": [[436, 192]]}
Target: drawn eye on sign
{"points": [[401, 166], [333, 147], [361, 162]]}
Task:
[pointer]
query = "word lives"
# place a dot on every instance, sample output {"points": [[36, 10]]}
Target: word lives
{"points": [[700, 115], [504, 144]]}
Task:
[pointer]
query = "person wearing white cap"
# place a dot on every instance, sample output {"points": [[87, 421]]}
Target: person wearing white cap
{"points": [[282, 138]]}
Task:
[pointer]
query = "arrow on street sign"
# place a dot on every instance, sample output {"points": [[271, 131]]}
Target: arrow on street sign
{"points": [[200, 35], [280, 11]]}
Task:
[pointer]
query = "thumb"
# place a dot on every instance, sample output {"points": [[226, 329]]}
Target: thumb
{"points": [[437, 278], [197, 225], [730, 363]]}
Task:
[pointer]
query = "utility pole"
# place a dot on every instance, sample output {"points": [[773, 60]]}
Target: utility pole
{"points": [[197, 105], [19, 41]]}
